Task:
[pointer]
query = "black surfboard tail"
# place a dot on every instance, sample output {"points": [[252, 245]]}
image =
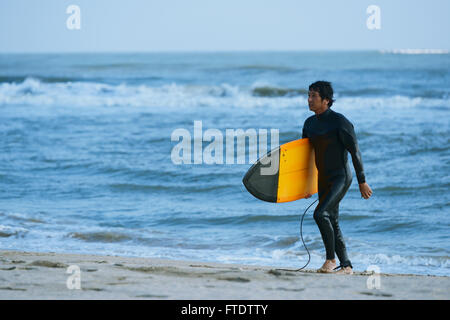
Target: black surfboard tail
{"points": [[263, 186]]}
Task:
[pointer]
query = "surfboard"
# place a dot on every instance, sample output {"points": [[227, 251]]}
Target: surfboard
{"points": [[286, 173]]}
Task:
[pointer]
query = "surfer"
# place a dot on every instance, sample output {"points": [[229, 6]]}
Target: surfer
{"points": [[332, 137]]}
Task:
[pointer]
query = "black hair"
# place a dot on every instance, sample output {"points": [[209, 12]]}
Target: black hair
{"points": [[324, 89]]}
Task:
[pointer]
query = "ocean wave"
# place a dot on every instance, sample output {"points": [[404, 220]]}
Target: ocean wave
{"points": [[295, 256], [404, 226], [101, 236], [265, 67], [277, 92], [108, 66], [134, 187], [234, 220], [256, 68], [8, 231], [34, 92], [362, 92], [382, 259], [175, 96], [24, 218], [61, 79], [402, 188], [17, 79], [282, 242]]}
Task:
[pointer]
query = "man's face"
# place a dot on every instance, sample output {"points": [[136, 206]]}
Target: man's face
{"points": [[315, 102]]}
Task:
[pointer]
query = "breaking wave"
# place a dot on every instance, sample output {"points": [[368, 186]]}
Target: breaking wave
{"points": [[36, 92]]}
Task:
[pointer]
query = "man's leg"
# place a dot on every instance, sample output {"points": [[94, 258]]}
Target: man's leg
{"points": [[339, 243], [328, 201], [323, 221]]}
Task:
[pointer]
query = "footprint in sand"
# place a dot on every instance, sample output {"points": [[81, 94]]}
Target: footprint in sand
{"points": [[235, 279], [376, 294], [12, 289], [48, 264]]}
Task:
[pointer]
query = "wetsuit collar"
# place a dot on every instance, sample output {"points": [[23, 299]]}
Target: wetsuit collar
{"points": [[324, 114]]}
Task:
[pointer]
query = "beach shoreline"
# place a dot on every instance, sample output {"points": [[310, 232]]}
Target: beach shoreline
{"points": [[39, 275]]}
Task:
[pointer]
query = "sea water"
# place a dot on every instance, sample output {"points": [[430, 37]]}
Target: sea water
{"points": [[86, 156]]}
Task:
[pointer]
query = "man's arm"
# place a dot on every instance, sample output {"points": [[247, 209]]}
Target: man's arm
{"points": [[348, 138]]}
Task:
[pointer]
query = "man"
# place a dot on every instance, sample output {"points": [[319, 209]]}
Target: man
{"points": [[332, 136]]}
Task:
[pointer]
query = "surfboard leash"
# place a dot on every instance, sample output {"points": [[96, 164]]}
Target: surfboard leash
{"points": [[304, 244]]}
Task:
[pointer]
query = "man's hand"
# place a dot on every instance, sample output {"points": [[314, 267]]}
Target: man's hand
{"points": [[307, 196], [365, 190]]}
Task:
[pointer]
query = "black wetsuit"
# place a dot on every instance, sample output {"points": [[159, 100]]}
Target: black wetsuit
{"points": [[332, 135]]}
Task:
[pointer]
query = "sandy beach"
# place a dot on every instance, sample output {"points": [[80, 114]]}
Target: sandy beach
{"points": [[30, 275]]}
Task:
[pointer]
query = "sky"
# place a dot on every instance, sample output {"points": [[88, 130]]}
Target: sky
{"points": [[222, 25]]}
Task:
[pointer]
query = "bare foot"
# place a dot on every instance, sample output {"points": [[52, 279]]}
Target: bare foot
{"points": [[328, 266]]}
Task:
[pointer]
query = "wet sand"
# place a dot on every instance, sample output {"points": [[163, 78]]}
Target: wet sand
{"points": [[30, 275]]}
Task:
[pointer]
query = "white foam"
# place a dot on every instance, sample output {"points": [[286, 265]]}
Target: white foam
{"points": [[174, 96], [396, 101], [12, 231]]}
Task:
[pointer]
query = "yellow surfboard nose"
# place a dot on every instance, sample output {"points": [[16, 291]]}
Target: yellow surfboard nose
{"points": [[297, 175]]}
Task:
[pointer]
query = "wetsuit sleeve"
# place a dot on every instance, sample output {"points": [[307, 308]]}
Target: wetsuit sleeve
{"points": [[348, 138]]}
